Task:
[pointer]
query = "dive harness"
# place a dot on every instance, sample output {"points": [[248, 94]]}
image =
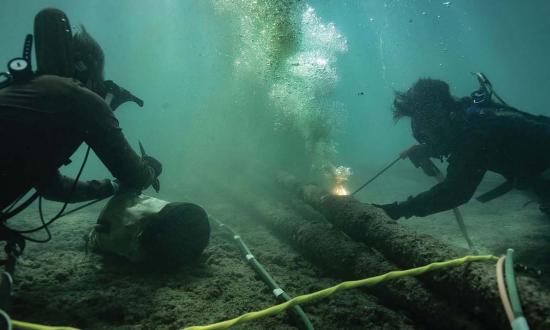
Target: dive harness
{"points": [[483, 98]]}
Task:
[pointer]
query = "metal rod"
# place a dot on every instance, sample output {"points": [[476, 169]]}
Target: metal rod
{"points": [[458, 215], [462, 226], [376, 176]]}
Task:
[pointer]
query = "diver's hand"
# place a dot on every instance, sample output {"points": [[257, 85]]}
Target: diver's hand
{"points": [[115, 184], [98, 189], [419, 155], [156, 166], [153, 169], [120, 188], [392, 210]]}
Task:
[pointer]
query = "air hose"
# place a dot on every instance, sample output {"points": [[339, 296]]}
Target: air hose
{"points": [[279, 293], [519, 322], [310, 297]]}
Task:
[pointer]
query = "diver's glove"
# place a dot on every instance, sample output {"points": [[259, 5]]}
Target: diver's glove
{"points": [[156, 166], [104, 188], [392, 210], [419, 155], [153, 169], [395, 210], [115, 184], [417, 152], [120, 189], [96, 189]]}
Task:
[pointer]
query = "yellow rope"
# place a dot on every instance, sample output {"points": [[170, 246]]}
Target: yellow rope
{"points": [[32, 326], [342, 286], [300, 299]]}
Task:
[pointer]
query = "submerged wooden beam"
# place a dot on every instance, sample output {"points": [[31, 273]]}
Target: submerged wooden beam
{"points": [[472, 286], [335, 253]]}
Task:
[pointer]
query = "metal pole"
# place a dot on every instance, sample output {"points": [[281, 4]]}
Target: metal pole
{"points": [[458, 215], [377, 175]]}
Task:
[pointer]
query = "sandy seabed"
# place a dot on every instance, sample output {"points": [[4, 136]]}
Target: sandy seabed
{"points": [[58, 283]]}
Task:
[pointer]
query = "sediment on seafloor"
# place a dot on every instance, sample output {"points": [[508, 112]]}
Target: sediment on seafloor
{"points": [[338, 255], [472, 286]]}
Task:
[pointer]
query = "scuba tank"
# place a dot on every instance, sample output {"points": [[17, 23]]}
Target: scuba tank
{"points": [[55, 55], [54, 46], [53, 40]]}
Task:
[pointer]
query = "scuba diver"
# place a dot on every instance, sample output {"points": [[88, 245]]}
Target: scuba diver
{"points": [[46, 115], [474, 134]]}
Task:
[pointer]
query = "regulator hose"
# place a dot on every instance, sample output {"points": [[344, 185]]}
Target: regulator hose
{"points": [[519, 321], [279, 293]]}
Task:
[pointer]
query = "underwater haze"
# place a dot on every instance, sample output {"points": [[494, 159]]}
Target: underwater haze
{"points": [[238, 88], [237, 92]]}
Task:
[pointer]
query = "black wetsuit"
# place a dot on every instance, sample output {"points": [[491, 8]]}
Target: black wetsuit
{"points": [[42, 123], [508, 142]]}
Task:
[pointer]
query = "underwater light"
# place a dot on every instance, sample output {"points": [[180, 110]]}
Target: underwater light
{"points": [[341, 175], [340, 190]]}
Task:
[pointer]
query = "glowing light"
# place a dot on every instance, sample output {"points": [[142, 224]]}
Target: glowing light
{"points": [[340, 190], [340, 175]]}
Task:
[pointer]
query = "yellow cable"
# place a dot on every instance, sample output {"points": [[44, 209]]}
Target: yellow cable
{"points": [[342, 286], [32, 326], [300, 299]]}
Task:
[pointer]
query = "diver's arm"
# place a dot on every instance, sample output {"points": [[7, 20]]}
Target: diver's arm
{"points": [[457, 188], [463, 176], [60, 189], [103, 134]]}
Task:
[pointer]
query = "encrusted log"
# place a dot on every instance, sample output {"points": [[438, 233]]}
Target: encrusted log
{"points": [[337, 254], [473, 286]]}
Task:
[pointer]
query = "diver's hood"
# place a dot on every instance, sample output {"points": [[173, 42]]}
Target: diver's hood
{"points": [[53, 39]]}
